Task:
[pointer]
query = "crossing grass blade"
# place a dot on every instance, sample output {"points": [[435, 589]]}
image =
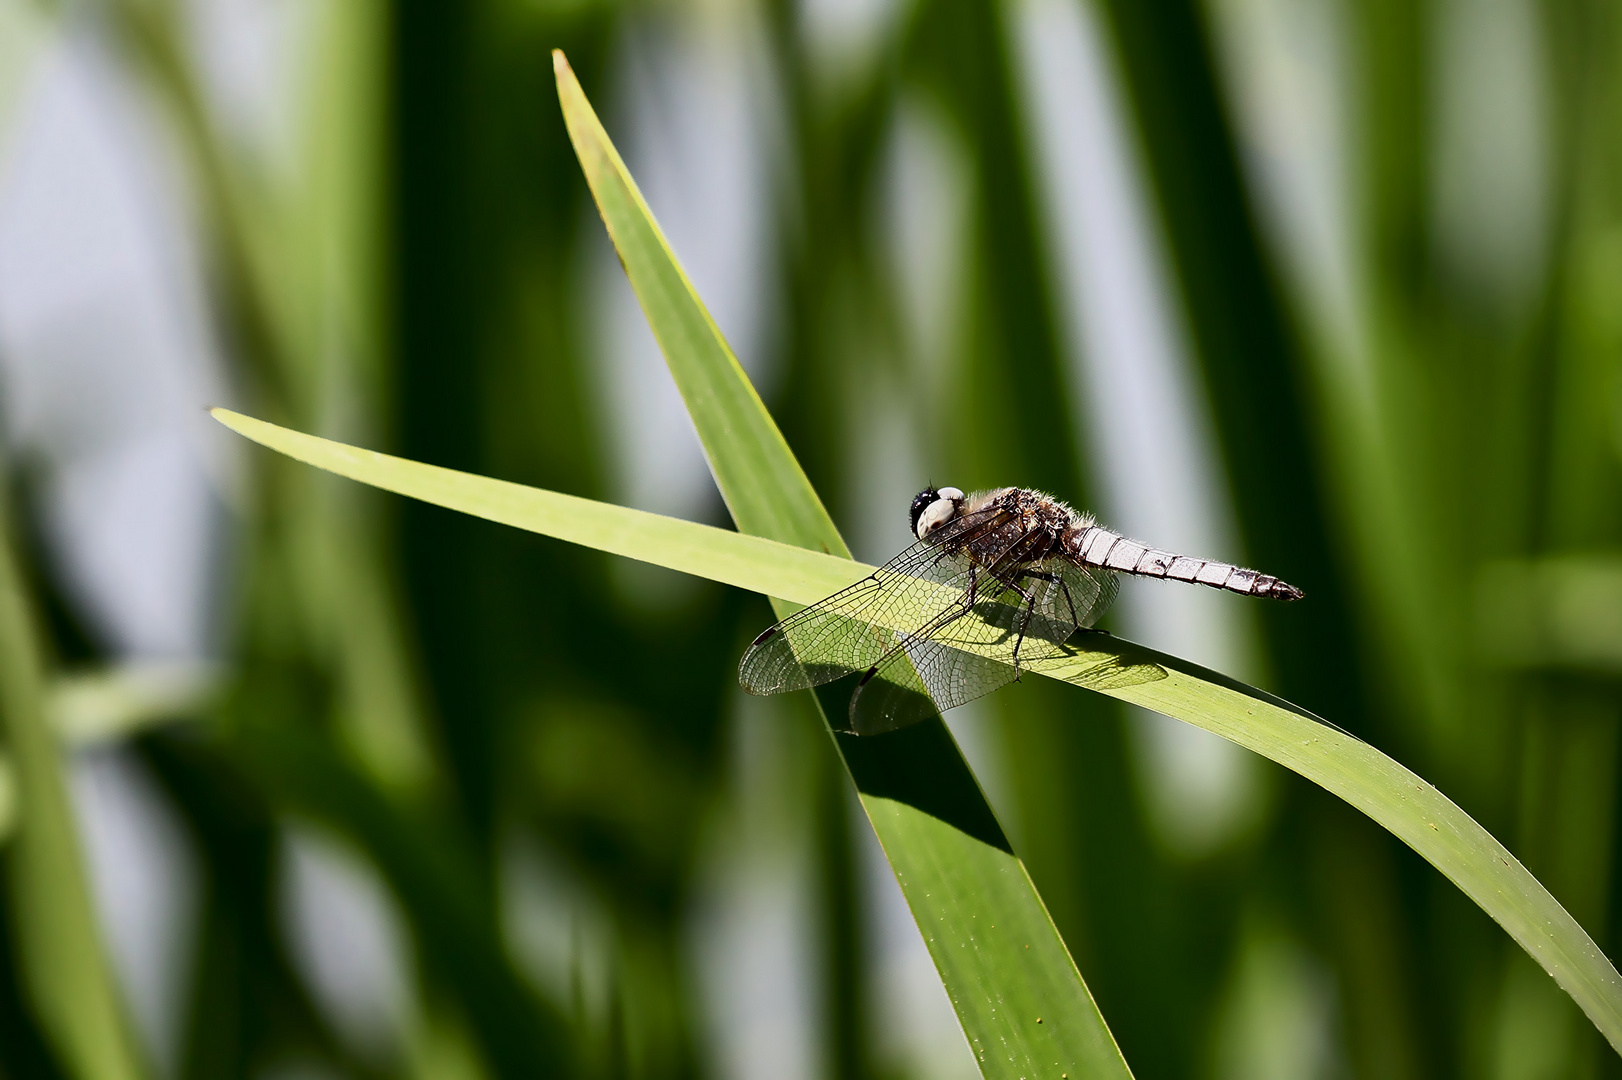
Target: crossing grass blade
{"points": [[1023, 1004], [1401, 802], [1018, 994], [68, 979]]}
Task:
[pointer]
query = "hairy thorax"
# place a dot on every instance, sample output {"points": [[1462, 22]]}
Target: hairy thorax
{"points": [[1038, 525]]}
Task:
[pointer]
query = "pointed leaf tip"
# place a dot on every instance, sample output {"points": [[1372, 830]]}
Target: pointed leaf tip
{"points": [[560, 63], [232, 420]]}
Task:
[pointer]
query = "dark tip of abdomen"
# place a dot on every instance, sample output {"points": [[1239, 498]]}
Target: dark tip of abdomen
{"points": [[1282, 590]]}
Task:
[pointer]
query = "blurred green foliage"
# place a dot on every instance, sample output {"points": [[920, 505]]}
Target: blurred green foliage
{"points": [[428, 688]]}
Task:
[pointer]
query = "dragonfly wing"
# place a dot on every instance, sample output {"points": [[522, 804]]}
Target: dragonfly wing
{"points": [[968, 651], [1026, 612], [854, 628], [918, 680], [1092, 589], [818, 644], [966, 654]]}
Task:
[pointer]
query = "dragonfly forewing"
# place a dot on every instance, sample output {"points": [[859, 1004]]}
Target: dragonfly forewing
{"points": [[818, 644], [855, 628], [973, 650]]}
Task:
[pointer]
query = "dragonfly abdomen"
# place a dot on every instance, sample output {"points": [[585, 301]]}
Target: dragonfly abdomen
{"points": [[1097, 546]]}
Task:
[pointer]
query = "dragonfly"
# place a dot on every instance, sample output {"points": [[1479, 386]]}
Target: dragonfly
{"points": [[996, 580]]}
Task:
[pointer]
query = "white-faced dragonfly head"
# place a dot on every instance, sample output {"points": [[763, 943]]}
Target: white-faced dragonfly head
{"points": [[933, 507]]}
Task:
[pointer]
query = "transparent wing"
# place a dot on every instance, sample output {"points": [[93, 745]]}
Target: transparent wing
{"points": [[948, 619], [1099, 582], [905, 685], [970, 653], [854, 628]]}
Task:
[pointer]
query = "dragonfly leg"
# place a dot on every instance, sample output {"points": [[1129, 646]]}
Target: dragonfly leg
{"points": [[967, 601], [1025, 619], [1064, 587]]}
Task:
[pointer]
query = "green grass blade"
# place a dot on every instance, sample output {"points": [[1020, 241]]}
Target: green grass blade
{"points": [[70, 986], [1407, 806], [765, 489], [702, 550], [1017, 992]]}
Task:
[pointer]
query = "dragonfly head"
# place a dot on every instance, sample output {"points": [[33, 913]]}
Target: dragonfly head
{"points": [[932, 508]]}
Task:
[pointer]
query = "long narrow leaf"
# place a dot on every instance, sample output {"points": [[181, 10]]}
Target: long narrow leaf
{"points": [[1407, 806], [1017, 992], [69, 983]]}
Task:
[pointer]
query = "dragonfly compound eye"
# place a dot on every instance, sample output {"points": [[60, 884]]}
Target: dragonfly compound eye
{"points": [[920, 503], [936, 514]]}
